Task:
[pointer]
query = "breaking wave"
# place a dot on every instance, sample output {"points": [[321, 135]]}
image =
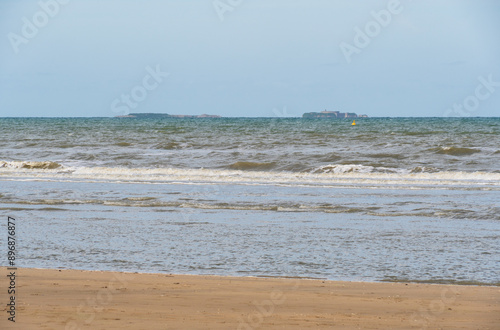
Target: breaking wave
{"points": [[352, 168], [251, 166], [456, 151], [30, 165], [346, 175]]}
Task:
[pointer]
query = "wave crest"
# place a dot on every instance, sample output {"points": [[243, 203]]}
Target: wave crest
{"points": [[339, 175], [47, 165], [251, 166], [354, 168], [456, 151]]}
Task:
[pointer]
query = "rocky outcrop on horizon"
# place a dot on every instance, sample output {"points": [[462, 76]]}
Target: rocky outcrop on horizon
{"points": [[165, 115], [331, 114]]}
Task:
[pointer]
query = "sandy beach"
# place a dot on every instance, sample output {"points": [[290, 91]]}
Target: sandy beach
{"points": [[74, 299]]}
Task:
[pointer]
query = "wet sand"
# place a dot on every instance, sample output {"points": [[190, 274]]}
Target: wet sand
{"points": [[73, 299]]}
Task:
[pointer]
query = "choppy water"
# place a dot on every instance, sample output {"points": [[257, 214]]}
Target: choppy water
{"points": [[387, 199], [267, 144]]}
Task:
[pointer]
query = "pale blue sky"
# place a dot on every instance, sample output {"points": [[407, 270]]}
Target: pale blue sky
{"points": [[263, 58]]}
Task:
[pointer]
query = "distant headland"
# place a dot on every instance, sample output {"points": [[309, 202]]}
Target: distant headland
{"points": [[332, 114], [164, 115]]}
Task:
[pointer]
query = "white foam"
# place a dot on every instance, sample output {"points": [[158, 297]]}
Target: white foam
{"points": [[354, 168], [334, 175], [29, 165]]}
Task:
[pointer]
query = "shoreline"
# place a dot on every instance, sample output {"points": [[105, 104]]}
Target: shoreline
{"points": [[443, 282], [83, 299]]}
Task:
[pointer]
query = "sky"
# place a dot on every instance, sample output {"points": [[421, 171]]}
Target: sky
{"points": [[242, 58]]}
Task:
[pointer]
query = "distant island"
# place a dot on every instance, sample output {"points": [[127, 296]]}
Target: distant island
{"points": [[322, 114], [332, 114], [164, 115]]}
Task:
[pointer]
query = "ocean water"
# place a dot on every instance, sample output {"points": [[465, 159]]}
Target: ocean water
{"points": [[399, 199]]}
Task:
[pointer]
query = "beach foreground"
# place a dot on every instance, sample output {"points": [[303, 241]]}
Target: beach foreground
{"points": [[74, 299]]}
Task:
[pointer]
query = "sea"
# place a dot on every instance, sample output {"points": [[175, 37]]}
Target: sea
{"points": [[387, 199]]}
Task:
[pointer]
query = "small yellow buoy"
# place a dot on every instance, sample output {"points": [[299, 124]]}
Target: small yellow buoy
{"points": [[353, 122]]}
